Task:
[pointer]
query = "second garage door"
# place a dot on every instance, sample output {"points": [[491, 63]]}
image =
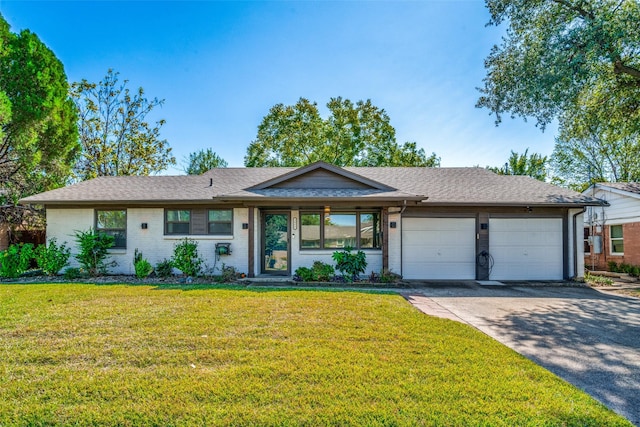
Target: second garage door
{"points": [[438, 248], [526, 249]]}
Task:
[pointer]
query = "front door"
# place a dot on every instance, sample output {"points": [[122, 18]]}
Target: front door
{"points": [[275, 243]]}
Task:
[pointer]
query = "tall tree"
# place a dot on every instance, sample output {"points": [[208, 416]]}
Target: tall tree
{"points": [[560, 57], [353, 135], [115, 136], [533, 165], [579, 161], [38, 136], [203, 160]]}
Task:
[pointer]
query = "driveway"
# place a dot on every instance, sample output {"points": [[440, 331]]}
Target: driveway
{"points": [[589, 338]]}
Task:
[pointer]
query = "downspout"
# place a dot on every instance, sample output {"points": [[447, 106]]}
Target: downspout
{"points": [[575, 242]]}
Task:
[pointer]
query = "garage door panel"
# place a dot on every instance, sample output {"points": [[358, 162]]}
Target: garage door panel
{"points": [[526, 249], [438, 248]]}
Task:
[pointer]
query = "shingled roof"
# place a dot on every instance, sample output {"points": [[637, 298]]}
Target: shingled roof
{"points": [[435, 186], [629, 187]]}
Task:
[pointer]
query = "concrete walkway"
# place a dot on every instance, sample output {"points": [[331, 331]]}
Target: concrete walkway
{"points": [[590, 339]]}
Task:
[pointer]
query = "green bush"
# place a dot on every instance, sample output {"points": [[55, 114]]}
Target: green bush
{"points": [[94, 249], [142, 267], [164, 268], [52, 258], [624, 268], [319, 272], [15, 260], [351, 265], [305, 274], [612, 266], [635, 271], [72, 273], [186, 259]]}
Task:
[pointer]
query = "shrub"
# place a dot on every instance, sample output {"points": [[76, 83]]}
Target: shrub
{"points": [[94, 247], [186, 259], [624, 268], [72, 273], [635, 271], [322, 272], [351, 265], [319, 272], [304, 274], [142, 267], [612, 266], [164, 268], [15, 260], [52, 258]]}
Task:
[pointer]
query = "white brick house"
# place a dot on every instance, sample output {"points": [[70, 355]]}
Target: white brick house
{"points": [[422, 223]]}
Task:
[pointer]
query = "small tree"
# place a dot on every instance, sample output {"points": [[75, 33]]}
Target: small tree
{"points": [[94, 247], [186, 259]]}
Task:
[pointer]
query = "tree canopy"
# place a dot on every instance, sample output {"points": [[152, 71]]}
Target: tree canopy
{"points": [[577, 61], [203, 160], [353, 135], [565, 58], [533, 165], [116, 139], [38, 135]]}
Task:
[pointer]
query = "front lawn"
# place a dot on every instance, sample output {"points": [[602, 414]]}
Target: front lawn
{"points": [[142, 355]]}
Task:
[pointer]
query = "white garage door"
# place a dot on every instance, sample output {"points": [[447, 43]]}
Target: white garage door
{"points": [[438, 248], [526, 249]]}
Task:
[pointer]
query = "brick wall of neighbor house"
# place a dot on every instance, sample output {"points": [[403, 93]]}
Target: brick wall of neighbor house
{"points": [[631, 239], [154, 245]]}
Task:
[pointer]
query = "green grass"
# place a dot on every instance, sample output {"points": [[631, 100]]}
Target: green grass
{"points": [[139, 355]]}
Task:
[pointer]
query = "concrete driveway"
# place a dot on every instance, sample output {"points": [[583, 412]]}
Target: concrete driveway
{"points": [[589, 338]]}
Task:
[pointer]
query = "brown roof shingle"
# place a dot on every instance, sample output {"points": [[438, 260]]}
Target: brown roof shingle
{"points": [[441, 186]]}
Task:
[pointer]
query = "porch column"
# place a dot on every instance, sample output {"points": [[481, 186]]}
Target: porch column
{"points": [[251, 242], [385, 239]]}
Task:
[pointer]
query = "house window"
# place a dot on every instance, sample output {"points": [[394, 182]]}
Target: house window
{"points": [[337, 230], [177, 221], [113, 223], [616, 239], [370, 231], [310, 231], [587, 240], [220, 221], [198, 222]]}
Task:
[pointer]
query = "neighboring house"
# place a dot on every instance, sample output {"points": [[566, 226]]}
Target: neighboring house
{"points": [[612, 231], [422, 223]]}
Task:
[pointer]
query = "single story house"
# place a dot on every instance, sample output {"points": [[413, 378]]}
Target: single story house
{"points": [[612, 230], [422, 223]]}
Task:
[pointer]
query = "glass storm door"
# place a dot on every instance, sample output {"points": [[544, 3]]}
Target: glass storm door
{"points": [[275, 243]]}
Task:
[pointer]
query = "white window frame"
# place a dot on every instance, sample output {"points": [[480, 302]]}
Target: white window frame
{"points": [[611, 239], [588, 240]]}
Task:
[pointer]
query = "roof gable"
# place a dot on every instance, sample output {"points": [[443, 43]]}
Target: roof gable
{"points": [[629, 189], [321, 176]]}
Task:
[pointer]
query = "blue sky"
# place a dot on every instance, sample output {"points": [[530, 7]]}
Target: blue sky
{"points": [[221, 65]]}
